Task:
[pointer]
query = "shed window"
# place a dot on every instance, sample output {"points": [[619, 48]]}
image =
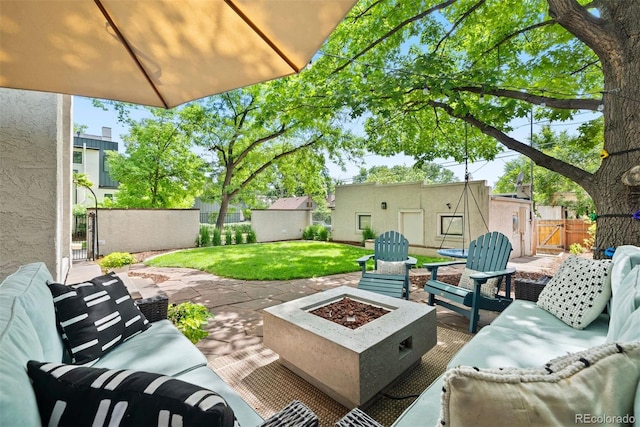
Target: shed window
{"points": [[364, 221], [451, 225], [77, 157]]}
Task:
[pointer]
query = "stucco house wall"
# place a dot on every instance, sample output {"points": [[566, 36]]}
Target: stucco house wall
{"points": [[512, 217], [420, 212], [272, 225], [35, 176]]}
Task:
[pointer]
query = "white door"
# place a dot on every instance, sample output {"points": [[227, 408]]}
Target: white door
{"points": [[411, 224]]}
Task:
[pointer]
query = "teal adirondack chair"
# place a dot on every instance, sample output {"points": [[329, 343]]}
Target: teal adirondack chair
{"points": [[485, 267], [391, 266]]}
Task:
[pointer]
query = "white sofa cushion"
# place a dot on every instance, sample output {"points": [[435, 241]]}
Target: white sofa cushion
{"points": [[600, 381], [625, 287], [578, 292]]}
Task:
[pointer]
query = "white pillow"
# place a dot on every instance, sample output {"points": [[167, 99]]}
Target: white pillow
{"points": [[570, 390], [488, 289], [578, 292], [391, 267]]}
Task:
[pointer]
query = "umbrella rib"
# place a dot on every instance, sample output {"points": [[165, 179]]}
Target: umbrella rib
{"points": [[126, 45], [262, 35]]}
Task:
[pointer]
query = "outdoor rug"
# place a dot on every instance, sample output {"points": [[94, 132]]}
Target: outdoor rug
{"points": [[267, 386]]}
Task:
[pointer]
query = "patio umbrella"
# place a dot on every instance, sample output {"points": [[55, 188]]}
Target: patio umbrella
{"points": [[158, 52]]}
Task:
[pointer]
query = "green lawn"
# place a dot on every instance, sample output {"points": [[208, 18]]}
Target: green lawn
{"points": [[271, 261]]}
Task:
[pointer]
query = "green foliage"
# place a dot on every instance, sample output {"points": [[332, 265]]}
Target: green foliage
{"points": [[204, 238], [367, 234], [159, 170], [587, 243], [272, 261], [251, 236], [576, 248], [79, 210], [238, 236], [316, 232], [228, 238], [116, 260], [550, 188], [82, 180], [217, 238], [273, 132], [427, 172], [190, 319]]}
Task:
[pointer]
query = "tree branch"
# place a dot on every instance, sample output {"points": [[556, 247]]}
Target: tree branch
{"points": [[257, 142], [271, 162], [517, 33], [580, 176], [393, 31], [566, 104], [458, 21]]}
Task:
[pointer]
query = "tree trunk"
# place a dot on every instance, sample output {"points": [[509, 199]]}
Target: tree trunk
{"points": [[615, 187], [224, 208]]}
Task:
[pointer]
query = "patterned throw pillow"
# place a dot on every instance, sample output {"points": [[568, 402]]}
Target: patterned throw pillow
{"points": [[578, 292], [95, 316], [391, 267], [489, 288], [72, 395], [595, 383]]}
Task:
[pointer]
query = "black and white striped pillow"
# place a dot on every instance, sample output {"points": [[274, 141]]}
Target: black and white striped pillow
{"points": [[72, 395], [95, 316]]}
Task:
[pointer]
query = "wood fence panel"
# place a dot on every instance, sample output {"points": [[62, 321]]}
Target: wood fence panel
{"points": [[555, 235]]}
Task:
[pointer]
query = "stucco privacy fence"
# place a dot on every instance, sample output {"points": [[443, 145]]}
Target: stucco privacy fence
{"points": [[139, 230]]}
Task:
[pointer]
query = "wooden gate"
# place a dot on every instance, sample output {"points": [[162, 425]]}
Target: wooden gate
{"points": [[557, 235]]}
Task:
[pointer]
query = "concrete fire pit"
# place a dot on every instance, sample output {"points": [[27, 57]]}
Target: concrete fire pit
{"points": [[350, 365]]}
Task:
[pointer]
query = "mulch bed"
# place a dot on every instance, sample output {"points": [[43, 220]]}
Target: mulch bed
{"points": [[454, 279]]}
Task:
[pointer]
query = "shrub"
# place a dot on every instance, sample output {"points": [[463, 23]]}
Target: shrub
{"points": [[251, 236], [190, 319], [217, 238], [204, 239], [307, 233], [323, 234], [227, 237], [367, 233], [116, 260], [79, 210], [238, 236]]}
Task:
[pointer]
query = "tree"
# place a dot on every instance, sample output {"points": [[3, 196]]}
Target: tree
{"points": [[582, 149], [428, 173], [268, 133], [159, 169], [431, 75]]}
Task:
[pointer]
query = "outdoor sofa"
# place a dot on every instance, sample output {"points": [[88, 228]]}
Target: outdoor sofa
{"points": [[506, 375], [28, 332]]}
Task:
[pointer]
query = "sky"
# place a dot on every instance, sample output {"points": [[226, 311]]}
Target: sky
{"points": [[84, 113]]}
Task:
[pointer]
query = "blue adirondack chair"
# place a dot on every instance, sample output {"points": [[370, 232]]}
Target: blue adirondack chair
{"points": [[486, 266], [391, 266]]}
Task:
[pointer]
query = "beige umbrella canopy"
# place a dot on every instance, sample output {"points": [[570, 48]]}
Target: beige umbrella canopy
{"points": [[158, 52]]}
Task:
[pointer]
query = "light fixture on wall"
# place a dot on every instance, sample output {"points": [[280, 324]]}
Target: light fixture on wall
{"points": [[383, 205]]}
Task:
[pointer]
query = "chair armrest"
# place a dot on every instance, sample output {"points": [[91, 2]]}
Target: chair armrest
{"points": [[364, 259], [435, 265], [411, 262], [484, 276], [154, 308], [295, 413], [357, 418]]}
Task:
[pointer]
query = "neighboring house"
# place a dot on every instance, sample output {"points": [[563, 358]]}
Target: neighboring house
{"points": [[90, 158], [431, 216], [294, 204]]}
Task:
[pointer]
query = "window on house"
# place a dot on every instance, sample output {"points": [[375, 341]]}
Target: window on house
{"points": [[363, 221], [108, 196], [77, 157], [451, 225]]}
